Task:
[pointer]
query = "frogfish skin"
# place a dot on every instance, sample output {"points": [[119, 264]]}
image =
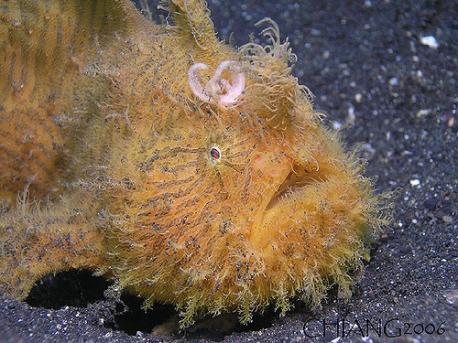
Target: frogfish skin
{"points": [[187, 171]]}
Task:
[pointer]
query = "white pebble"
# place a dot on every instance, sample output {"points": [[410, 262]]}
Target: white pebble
{"points": [[414, 182], [394, 81], [336, 125], [351, 116], [423, 113]]}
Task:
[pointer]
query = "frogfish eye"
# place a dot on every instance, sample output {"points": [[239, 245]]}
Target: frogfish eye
{"points": [[215, 154]]}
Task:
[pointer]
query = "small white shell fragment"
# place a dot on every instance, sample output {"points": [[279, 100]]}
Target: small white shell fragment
{"points": [[429, 41], [414, 182]]}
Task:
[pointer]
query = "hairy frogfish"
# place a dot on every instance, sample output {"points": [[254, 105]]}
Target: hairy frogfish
{"points": [[188, 171]]}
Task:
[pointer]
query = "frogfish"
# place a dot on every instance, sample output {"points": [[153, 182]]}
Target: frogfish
{"points": [[188, 171]]}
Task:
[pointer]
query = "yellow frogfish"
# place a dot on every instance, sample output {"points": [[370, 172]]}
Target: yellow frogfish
{"points": [[190, 172]]}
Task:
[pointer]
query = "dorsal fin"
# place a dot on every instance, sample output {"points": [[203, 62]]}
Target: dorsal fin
{"points": [[192, 17]]}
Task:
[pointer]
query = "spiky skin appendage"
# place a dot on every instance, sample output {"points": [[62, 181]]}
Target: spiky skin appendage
{"points": [[225, 197]]}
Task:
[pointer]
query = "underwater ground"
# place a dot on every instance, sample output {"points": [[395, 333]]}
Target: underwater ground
{"points": [[386, 74]]}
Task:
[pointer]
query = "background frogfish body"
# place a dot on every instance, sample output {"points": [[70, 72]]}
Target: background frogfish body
{"points": [[189, 172]]}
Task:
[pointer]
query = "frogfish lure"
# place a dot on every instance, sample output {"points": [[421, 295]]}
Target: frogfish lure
{"points": [[187, 171], [218, 89]]}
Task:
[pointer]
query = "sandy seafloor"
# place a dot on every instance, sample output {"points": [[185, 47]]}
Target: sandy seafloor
{"points": [[392, 95]]}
